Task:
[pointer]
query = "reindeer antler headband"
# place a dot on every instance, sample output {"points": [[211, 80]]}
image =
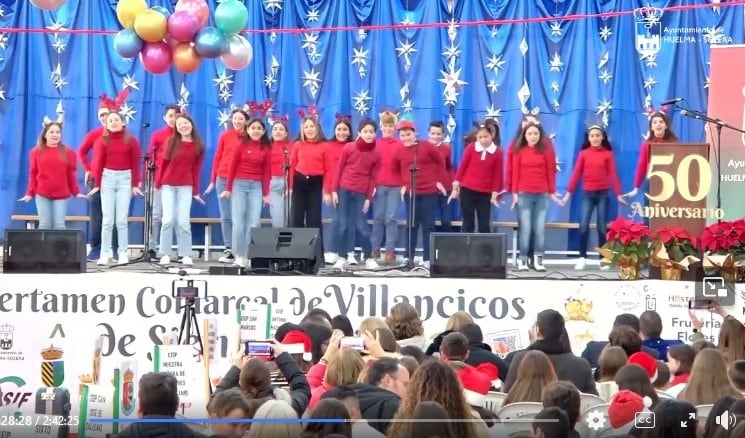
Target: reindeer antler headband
{"points": [[47, 121], [116, 103], [312, 112], [276, 118], [259, 110], [343, 118]]}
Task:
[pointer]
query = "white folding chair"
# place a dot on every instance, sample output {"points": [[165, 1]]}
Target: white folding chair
{"points": [[588, 401], [519, 410], [664, 395], [494, 401], [702, 413]]}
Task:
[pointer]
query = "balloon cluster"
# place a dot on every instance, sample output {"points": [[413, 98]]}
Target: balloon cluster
{"points": [[182, 38]]}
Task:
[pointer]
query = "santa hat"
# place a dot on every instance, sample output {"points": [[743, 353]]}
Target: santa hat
{"points": [[477, 382], [624, 406], [647, 362], [298, 342]]}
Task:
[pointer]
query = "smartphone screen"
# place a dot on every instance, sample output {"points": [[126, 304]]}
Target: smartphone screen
{"points": [[699, 304], [353, 342], [259, 349]]}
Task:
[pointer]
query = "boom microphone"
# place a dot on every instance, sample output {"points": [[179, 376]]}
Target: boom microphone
{"points": [[671, 101]]}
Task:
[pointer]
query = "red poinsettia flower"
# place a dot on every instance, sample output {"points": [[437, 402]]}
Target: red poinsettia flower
{"points": [[627, 231], [668, 235], [726, 236]]}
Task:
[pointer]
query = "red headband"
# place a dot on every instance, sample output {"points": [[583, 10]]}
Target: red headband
{"points": [[312, 112], [115, 104], [259, 110], [662, 110], [275, 118], [343, 118]]}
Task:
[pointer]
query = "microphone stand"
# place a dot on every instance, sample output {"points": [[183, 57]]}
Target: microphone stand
{"points": [[410, 237], [718, 147], [286, 195]]}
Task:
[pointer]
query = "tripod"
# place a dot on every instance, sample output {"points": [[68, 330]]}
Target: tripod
{"points": [[412, 217], [286, 194], [189, 321]]}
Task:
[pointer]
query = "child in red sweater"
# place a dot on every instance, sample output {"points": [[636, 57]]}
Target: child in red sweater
{"points": [[352, 191], [220, 166], [248, 186], [309, 163], [116, 169], [478, 181], [342, 135], [387, 200], [155, 154], [280, 172], [178, 183], [435, 134], [533, 181], [660, 131], [597, 169], [52, 178]]}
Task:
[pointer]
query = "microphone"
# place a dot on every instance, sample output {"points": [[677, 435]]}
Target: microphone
{"points": [[671, 101], [701, 116]]}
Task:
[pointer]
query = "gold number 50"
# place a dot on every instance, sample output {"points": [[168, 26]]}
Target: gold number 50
{"points": [[681, 179]]}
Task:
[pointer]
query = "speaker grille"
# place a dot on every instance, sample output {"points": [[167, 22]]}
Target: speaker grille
{"points": [[468, 255]]}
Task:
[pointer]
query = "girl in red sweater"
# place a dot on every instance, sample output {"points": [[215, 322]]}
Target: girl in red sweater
{"points": [[342, 135], [478, 181], [533, 181], [596, 167], [280, 166], [178, 183], [220, 166], [116, 167], [248, 186], [309, 162], [52, 178], [660, 131], [352, 191]]}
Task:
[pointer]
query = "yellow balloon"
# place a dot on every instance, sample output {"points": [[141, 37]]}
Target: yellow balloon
{"points": [[151, 26], [128, 10]]}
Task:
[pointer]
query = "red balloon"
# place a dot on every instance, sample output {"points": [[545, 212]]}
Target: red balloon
{"points": [[156, 57], [196, 8]]}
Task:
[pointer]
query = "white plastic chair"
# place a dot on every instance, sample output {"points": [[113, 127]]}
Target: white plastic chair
{"points": [[519, 410], [702, 413], [664, 395], [588, 401], [494, 401]]}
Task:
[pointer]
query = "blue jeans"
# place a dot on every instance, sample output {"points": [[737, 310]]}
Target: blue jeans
{"points": [[157, 220], [226, 223], [593, 200], [245, 203], [116, 192], [446, 213], [51, 212], [352, 223], [387, 201], [424, 218], [176, 214], [532, 208], [277, 193], [96, 221], [335, 231]]}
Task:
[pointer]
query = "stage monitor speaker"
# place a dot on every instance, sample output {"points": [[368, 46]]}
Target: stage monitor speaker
{"points": [[44, 252], [468, 255], [285, 250]]}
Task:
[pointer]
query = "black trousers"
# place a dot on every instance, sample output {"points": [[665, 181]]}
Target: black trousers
{"points": [[475, 205], [306, 200]]}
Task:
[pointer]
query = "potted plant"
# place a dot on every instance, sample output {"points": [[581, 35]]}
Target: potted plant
{"points": [[627, 246], [674, 250], [723, 244]]}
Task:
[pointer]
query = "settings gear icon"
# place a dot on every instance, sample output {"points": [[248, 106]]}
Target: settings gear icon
{"points": [[595, 420]]}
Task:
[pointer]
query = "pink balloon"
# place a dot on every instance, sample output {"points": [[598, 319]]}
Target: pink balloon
{"points": [[183, 26], [156, 57], [195, 8], [48, 5], [172, 42]]}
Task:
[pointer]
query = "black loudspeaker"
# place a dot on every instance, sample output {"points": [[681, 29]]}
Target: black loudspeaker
{"points": [[468, 255], [44, 252], [286, 250]]}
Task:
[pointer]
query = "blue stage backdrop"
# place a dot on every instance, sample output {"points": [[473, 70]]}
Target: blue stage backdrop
{"points": [[572, 72]]}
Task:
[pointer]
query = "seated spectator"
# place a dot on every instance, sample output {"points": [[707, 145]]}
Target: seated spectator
{"points": [[378, 327], [551, 423], [548, 332], [318, 335], [404, 322], [454, 347], [680, 361], [673, 419], [479, 352], [650, 328], [594, 348], [429, 410], [708, 381], [634, 378], [341, 322], [157, 398], [663, 376], [229, 404], [721, 406], [611, 360], [325, 410], [380, 394], [646, 362], [534, 373], [409, 363], [623, 408], [455, 322], [564, 395], [736, 375], [318, 316], [477, 381], [414, 352], [360, 426], [275, 410], [627, 338]]}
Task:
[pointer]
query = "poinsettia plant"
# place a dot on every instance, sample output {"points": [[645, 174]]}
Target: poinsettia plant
{"points": [[627, 242], [726, 237], [678, 242]]}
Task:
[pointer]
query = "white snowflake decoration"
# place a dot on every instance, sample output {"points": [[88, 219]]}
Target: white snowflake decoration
{"points": [[312, 15], [603, 60], [649, 82], [2, 91], [492, 112], [556, 64], [361, 99], [360, 60], [406, 49], [273, 5], [312, 81], [494, 63], [129, 83], [183, 100], [605, 76], [128, 112], [3, 40], [556, 29], [59, 45], [605, 33], [223, 80], [492, 86]]}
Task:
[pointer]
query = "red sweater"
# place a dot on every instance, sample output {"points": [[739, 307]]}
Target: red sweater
{"points": [[534, 171], [50, 175], [225, 145], [184, 169], [279, 149], [310, 159], [481, 171], [252, 162], [641, 166], [431, 167], [358, 168], [88, 142], [117, 155], [509, 162], [446, 153], [158, 143], [597, 169], [334, 154], [387, 147]]}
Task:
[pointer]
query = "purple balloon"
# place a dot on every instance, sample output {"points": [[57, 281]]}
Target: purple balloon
{"points": [[183, 26], [156, 57]]}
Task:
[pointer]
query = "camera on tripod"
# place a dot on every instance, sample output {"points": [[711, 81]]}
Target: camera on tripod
{"points": [[188, 289]]}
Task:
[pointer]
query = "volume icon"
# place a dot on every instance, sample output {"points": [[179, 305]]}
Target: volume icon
{"points": [[726, 420]]}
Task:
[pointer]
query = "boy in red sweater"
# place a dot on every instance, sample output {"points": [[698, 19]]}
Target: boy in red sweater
{"points": [[387, 199], [430, 172], [436, 134]]}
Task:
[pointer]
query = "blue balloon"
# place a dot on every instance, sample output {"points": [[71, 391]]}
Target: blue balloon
{"points": [[127, 44], [209, 42], [162, 11]]}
